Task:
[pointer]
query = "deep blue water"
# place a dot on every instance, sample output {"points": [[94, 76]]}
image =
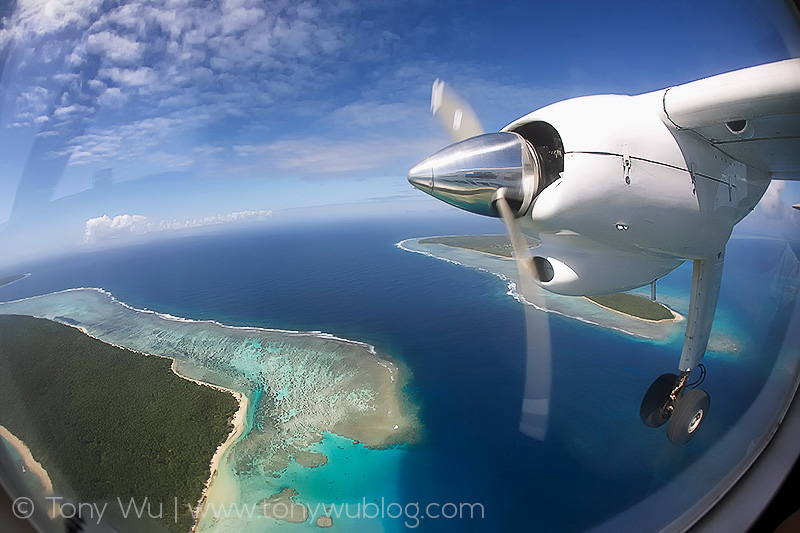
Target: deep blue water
{"points": [[464, 341]]}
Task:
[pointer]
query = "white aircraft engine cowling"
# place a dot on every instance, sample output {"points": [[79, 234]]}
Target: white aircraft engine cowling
{"points": [[584, 268]]}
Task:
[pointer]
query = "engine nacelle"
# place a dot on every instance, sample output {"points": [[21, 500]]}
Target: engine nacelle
{"points": [[617, 194], [630, 182]]}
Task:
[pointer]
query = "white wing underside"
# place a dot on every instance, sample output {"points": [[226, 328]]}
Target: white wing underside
{"points": [[767, 97]]}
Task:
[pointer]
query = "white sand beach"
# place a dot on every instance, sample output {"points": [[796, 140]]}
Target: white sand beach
{"points": [[32, 466]]}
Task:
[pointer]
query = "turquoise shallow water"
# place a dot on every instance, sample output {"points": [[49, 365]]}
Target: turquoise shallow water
{"points": [[299, 386], [347, 488], [463, 339]]}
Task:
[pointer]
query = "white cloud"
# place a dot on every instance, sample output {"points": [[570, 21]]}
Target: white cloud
{"points": [[106, 228], [129, 76], [110, 96], [38, 18], [215, 220], [114, 47], [63, 112], [315, 157], [772, 204], [32, 103], [137, 140], [164, 58], [375, 114], [774, 215], [139, 83]]}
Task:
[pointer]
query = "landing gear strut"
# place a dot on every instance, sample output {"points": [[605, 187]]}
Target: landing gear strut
{"points": [[667, 398], [656, 407]]}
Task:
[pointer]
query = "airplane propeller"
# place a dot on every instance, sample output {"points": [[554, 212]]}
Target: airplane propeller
{"points": [[461, 123], [645, 184], [455, 115], [536, 399]]}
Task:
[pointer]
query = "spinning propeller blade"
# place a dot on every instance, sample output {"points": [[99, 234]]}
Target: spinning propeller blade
{"points": [[536, 399], [457, 118], [461, 123]]}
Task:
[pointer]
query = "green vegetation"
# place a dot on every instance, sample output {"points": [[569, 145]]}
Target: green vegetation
{"points": [[108, 423], [11, 279], [634, 305], [488, 244]]}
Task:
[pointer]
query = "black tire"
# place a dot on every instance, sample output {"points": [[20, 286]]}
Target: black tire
{"points": [[689, 415], [655, 399]]}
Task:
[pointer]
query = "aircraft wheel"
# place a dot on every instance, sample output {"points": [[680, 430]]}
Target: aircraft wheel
{"points": [[689, 415], [652, 411]]}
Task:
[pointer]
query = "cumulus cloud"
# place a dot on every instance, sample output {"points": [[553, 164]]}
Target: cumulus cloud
{"points": [[63, 112], [774, 215], [106, 228], [215, 220], [772, 204]]}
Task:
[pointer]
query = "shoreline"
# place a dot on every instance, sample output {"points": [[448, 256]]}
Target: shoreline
{"points": [[173, 318], [459, 247], [581, 309], [32, 464], [238, 422], [386, 375], [13, 279], [676, 317]]}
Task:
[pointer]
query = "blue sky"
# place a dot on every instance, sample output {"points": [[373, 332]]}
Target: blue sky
{"points": [[207, 112]]}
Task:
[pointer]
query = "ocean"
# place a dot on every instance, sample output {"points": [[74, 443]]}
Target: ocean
{"points": [[463, 339]]}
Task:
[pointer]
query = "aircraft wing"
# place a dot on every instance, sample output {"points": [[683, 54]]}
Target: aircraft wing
{"points": [[752, 115]]}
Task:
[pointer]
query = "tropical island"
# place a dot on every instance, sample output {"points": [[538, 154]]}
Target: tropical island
{"points": [[499, 245], [11, 279], [108, 423], [631, 313], [297, 391]]}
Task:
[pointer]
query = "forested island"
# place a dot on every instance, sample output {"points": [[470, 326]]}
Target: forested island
{"points": [[109, 423], [488, 244]]}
